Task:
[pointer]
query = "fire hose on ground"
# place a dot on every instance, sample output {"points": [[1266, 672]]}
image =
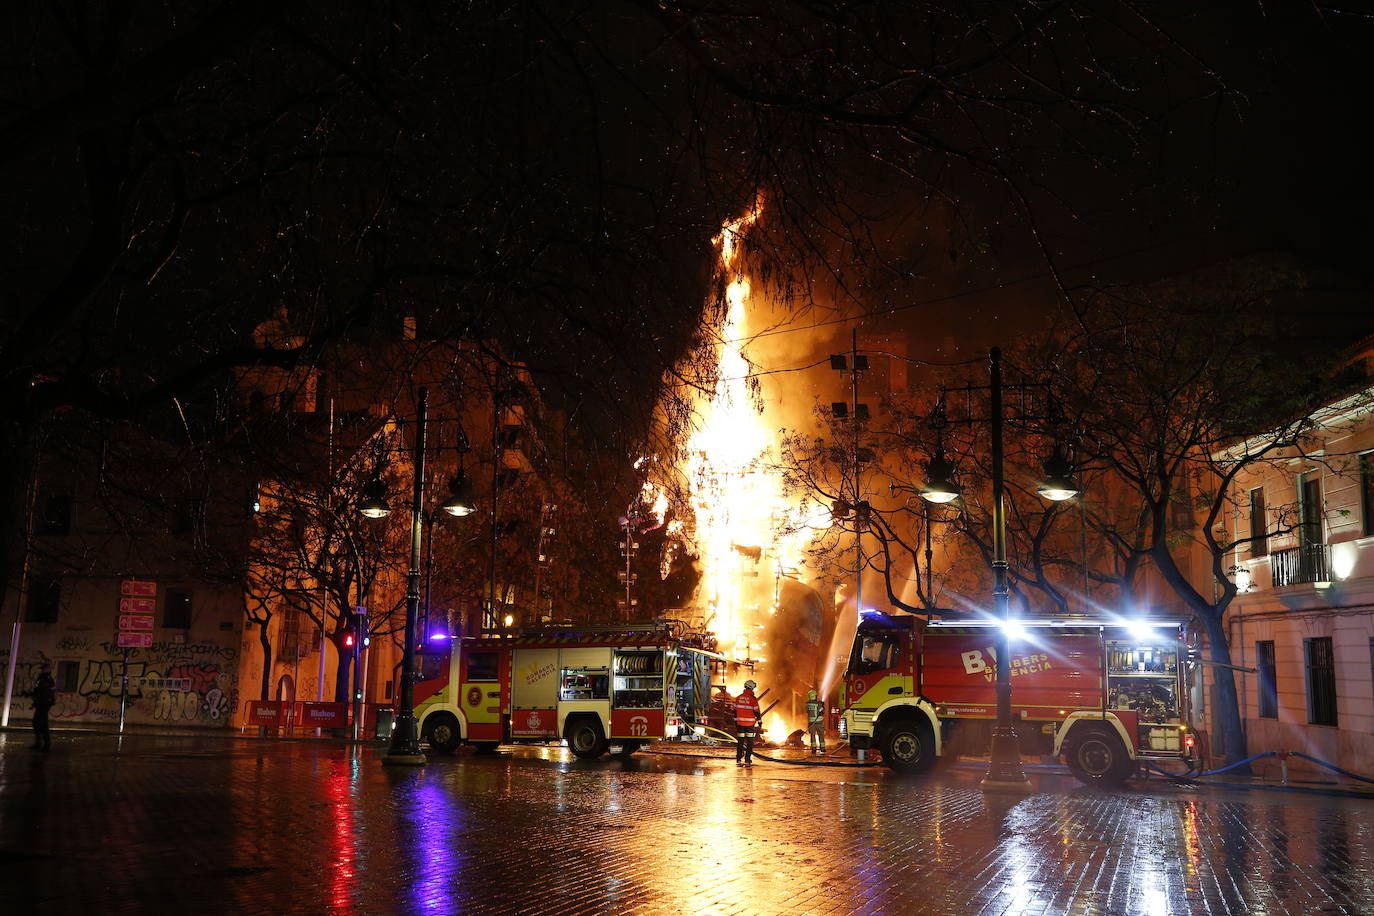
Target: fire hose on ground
{"points": [[1282, 756], [1189, 778], [731, 739]]}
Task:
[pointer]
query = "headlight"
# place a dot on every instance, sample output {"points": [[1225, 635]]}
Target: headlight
{"points": [[844, 728]]}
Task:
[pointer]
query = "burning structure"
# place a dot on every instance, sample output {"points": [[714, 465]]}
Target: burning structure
{"points": [[748, 534]]}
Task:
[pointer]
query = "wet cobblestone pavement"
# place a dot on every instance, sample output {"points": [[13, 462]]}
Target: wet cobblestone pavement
{"points": [[214, 825]]}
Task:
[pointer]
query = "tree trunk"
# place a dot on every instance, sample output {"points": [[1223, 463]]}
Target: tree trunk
{"points": [[266, 685], [343, 690], [1229, 738], [266, 644]]}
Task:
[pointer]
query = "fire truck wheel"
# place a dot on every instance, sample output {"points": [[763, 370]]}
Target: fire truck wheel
{"points": [[1097, 757], [444, 734], [908, 748], [585, 739]]}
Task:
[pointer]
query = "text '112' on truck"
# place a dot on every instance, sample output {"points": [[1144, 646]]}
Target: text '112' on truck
{"points": [[1105, 696]]}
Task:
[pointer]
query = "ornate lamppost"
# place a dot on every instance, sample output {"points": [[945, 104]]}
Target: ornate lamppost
{"points": [[1004, 768], [405, 737]]}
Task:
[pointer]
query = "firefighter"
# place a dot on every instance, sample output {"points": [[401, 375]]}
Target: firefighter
{"points": [[815, 722], [747, 723]]}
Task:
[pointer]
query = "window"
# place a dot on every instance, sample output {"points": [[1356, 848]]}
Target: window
{"points": [[45, 598], [187, 514], [176, 609], [1259, 542], [1321, 681], [875, 653], [1310, 509], [585, 684], [289, 642], [1268, 683], [1367, 492], [57, 514], [482, 666], [433, 664], [68, 676]]}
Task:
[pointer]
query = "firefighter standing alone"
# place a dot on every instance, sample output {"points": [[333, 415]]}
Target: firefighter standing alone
{"points": [[815, 722], [747, 724]]}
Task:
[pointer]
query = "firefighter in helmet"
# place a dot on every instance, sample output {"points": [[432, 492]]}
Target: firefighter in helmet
{"points": [[747, 723], [815, 722]]}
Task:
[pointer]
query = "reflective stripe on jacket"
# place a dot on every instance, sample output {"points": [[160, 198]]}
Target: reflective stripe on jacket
{"points": [[746, 710], [815, 712]]}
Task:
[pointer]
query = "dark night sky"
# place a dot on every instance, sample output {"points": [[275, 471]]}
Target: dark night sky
{"points": [[580, 191], [1273, 168]]}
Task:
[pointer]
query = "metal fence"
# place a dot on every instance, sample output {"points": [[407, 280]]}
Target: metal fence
{"points": [[1308, 563]]}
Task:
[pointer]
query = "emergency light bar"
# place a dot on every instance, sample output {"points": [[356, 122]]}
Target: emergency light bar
{"points": [[1156, 623]]}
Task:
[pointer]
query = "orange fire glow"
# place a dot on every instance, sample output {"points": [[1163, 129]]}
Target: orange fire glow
{"points": [[747, 531]]}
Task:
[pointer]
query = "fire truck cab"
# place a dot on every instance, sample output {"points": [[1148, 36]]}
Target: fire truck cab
{"points": [[1104, 695], [597, 689]]}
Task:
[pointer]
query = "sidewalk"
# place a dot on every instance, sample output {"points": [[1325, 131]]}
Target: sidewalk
{"points": [[164, 731]]}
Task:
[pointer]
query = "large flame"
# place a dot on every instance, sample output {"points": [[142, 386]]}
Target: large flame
{"points": [[746, 527]]}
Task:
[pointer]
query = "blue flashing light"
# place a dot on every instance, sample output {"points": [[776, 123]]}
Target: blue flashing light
{"points": [[438, 637]]}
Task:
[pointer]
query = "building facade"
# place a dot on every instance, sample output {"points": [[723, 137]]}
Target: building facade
{"points": [[1303, 617], [136, 532], [347, 430]]}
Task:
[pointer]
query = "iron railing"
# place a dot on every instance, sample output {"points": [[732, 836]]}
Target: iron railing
{"points": [[1308, 563]]}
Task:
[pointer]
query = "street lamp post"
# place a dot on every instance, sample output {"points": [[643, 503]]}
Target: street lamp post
{"points": [[1004, 768], [405, 737]]}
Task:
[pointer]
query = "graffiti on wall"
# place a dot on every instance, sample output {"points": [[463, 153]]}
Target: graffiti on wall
{"points": [[169, 683]]}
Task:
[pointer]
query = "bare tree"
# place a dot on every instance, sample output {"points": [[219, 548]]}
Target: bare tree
{"points": [[1178, 388]]}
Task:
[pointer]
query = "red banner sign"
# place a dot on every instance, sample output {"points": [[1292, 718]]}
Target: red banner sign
{"points": [[271, 713], [134, 640], [636, 723], [323, 715], [534, 723], [135, 622], [138, 589], [137, 605]]}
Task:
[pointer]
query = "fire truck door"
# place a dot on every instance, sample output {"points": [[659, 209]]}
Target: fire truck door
{"points": [[480, 694], [534, 693]]}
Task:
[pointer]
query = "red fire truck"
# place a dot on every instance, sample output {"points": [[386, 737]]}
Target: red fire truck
{"points": [[597, 688], [1103, 695]]}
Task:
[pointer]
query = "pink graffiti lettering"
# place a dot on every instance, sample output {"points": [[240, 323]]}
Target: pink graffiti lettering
{"points": [[201, 677]]}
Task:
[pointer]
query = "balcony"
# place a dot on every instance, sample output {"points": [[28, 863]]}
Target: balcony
{"points": [[1297, 565]]}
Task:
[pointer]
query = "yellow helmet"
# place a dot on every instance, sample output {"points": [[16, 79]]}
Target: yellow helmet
{"points": [[811, 694]]}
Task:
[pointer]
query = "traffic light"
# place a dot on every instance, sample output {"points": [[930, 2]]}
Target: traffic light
{"points": [[356, 634]]}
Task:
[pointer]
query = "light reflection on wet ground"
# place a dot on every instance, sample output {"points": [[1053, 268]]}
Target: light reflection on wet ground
{"points": [[168, 824]]}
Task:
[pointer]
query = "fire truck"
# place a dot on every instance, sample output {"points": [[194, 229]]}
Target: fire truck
{"points": [[1104, 695], [599, 689]]}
